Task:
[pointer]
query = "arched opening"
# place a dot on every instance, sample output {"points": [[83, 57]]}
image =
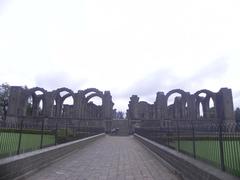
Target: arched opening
{"points": [[176, 104], [63, 93], [35, 102], [202, 94], [200, 110], [96, 100], [171, 99], [211, 103], [94, 106], [89, 91], [211, 109], [67, 107], [29, 106], [185, 112], [207, 99], [40, 108], [54, 109], [61, 100], [38, 92]]}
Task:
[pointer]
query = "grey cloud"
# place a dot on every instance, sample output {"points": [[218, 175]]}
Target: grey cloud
{"points": [[146, 88], [213, 70], [166, 80], [54, 80], [236, 99], [236, 94]]}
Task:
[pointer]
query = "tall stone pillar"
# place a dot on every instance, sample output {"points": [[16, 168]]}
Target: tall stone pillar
{"points": [[107, 105], [191, 108], [15, 102], [132, 112], [160, 106], [107, 109], [78, 104], [48, 104], [36, 101], [132, 107], [224, 105], [59, 104]]}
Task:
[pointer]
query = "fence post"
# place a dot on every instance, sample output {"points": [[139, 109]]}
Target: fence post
{"points": [[168, 134], [56, 131], [20, 136], [193, 141], [66, 127], [42, 128], [178, 138], [221, 147]]}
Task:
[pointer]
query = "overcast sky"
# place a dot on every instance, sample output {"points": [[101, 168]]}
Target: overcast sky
{"points": [[127, 47]]}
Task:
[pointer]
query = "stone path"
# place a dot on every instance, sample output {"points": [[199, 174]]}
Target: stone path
{"points": [[109, 158]]}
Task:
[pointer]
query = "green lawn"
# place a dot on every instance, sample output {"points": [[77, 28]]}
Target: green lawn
{"points": [[209, 150], [9, 142]]}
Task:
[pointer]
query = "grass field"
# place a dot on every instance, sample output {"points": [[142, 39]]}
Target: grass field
{"points": [[9, 142], [209, 150]]}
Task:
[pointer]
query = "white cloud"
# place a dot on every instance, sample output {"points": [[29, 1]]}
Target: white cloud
{"points": [[113, 44]]}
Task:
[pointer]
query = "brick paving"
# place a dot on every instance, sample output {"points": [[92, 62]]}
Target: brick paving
{"points": [[109, 158]]}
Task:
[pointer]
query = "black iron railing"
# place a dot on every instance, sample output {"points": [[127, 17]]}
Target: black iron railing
{"points": [[213, 142], [25, 134]]}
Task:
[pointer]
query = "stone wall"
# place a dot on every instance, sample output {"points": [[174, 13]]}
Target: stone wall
{"points": [[185, 106], [38, 102]]}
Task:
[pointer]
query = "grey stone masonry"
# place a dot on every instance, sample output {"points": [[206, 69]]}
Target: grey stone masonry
{"points": [[109, 158]]}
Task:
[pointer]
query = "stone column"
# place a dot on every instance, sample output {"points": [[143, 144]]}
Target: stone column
{"points": [[161, 106], [15, 103], [224, 105], [48, 104], [78, 104], [132, 107], [192, 111], [107, 108]]}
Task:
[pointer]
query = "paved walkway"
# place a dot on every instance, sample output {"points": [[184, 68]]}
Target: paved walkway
{"points": [[109, 158]]}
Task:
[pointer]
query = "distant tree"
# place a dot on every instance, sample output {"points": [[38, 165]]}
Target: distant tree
{"points": [[120, 115], [237, 115], [4, 95]]}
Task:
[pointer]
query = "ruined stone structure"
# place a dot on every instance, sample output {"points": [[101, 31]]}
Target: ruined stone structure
{"points": [[186, 107], [37, 102], [203, 106]]}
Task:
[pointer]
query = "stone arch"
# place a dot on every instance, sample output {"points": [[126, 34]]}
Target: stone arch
{"points": [[94, 95], [35, 100], [207, 111], [28, 105], [177, 110], [60, 99], [179, 91], [59, 90], [92, 110], [33, 90], [205, 91], [94, 90], [67, 108]]}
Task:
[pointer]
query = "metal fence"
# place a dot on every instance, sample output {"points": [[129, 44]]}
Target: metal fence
{"points": [[25, 134], [215, 143]]}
